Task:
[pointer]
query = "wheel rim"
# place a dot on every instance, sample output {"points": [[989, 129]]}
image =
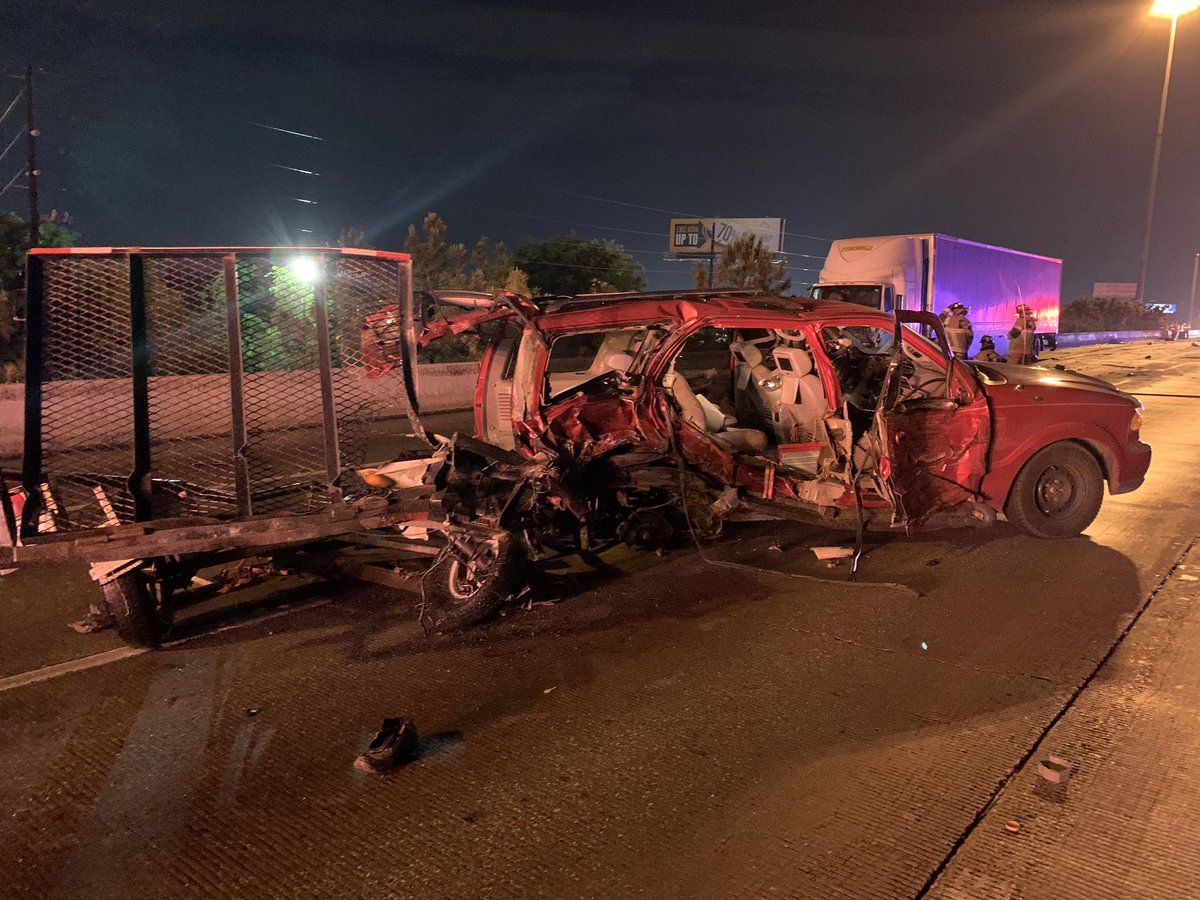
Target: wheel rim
{"points": [[468, 577], [1055, 491]]}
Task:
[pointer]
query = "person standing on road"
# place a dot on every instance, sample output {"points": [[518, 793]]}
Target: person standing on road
{"points": [[1020, 337], [959, 330], [987, 350]]}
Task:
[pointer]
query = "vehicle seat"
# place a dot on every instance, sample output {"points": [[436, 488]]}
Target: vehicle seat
{"points": [[704, 415], [802, 396], [757, 386]]}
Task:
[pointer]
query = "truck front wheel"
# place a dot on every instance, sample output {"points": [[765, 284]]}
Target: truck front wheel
{"points": [[1057, 493], [467, 585]]}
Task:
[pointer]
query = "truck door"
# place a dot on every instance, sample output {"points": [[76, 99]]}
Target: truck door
{"points": [[933, 426], [494, 389]]}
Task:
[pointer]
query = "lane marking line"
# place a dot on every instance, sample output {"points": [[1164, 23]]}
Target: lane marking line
{"points": [[45, 673]]}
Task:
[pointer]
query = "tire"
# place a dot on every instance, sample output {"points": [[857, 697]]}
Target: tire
{"points": [[1057, 493], [142, 620], [459, 594]]}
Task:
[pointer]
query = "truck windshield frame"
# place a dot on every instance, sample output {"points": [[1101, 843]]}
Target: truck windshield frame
{"points": [[866, 295]]}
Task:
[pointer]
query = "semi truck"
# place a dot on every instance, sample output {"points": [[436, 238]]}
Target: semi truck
{"points": [[931, 271]]}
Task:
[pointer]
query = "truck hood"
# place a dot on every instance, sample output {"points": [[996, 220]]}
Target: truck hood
{"points": [[1041, 377]]}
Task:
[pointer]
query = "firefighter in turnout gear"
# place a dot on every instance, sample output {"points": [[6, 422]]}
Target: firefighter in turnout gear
{"points": [[959, 330], [987, 350], [1020, 337]]}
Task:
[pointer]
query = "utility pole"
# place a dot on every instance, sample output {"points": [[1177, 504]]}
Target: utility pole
{"points": [[31, 170]]}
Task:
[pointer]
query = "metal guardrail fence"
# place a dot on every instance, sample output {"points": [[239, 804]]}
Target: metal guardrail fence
{"points": [[264, 327]]}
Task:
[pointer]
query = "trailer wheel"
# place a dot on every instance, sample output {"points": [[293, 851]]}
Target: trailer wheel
{"points": [[461, 590], [140, 608]]}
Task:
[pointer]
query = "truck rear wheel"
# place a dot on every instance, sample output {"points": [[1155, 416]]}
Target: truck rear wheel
{"points": [[140, 608], [1057, 493]]}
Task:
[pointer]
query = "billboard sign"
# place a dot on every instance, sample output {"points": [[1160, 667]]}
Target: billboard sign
{"points": [[1115, 289], [1168, 308], [705, 237]]}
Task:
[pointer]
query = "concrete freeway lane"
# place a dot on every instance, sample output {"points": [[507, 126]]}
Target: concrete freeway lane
{"points": [[670, 728]]}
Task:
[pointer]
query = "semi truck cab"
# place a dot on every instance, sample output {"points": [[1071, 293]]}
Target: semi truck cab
{"points": [[928, 272]]}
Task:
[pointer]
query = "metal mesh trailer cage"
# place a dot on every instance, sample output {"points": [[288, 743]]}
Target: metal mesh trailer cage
{"points": [[202, 382]]}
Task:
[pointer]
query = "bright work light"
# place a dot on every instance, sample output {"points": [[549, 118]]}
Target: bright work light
{"points": [[305, 269]]}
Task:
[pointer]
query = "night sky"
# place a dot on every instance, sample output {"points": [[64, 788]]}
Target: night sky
{"points": [[1026, 124]]}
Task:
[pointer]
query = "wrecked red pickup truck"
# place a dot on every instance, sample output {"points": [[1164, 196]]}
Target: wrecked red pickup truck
{"points": [[638, 417], [186, 407]]}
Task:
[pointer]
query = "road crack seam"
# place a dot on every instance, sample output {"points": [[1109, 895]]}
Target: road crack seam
{"points": [[1054, 720], [931, 659]]}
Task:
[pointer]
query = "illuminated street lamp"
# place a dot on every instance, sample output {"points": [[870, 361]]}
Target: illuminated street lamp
{"points": [[1192, 300], [1174, 9]]}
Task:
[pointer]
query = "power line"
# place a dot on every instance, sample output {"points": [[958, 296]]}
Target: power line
{"points": [[293, 169], [526, 215], [16, 137], [546, 187], [311, 137], [15, 101], [4, 189]]}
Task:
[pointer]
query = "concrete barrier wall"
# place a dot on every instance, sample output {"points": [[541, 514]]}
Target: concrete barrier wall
{"points": [[101, 411], [193, 405], [1084, 338]]}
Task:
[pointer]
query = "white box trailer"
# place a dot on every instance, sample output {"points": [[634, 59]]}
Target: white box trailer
{"points": [[931, 271]]}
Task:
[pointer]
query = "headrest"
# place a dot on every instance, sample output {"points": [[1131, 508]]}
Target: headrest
{"points": [[800, 362], [747, 352]]}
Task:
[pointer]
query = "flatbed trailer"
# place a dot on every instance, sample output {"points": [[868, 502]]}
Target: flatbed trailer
{"points": [[189, 406]]}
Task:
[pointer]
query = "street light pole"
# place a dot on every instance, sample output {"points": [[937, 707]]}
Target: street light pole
{"points": [[1192, 301], [1162, 117]]}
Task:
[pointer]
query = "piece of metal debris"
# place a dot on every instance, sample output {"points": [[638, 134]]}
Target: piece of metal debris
{"points": [[1012, 826], [774, 547], [549, 689], [1055, 769], [396, 743], [253, 711], [832, 552], [97, 619]]}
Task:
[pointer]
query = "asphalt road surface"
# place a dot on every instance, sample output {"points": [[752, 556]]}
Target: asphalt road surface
{"points": [[667, 728]]}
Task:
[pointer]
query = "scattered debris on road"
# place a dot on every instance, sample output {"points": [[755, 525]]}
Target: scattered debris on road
{"points": [[96, 620], [1012, 826], [1055, 769], [832, 552], [247, 572], [396, 743]]}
